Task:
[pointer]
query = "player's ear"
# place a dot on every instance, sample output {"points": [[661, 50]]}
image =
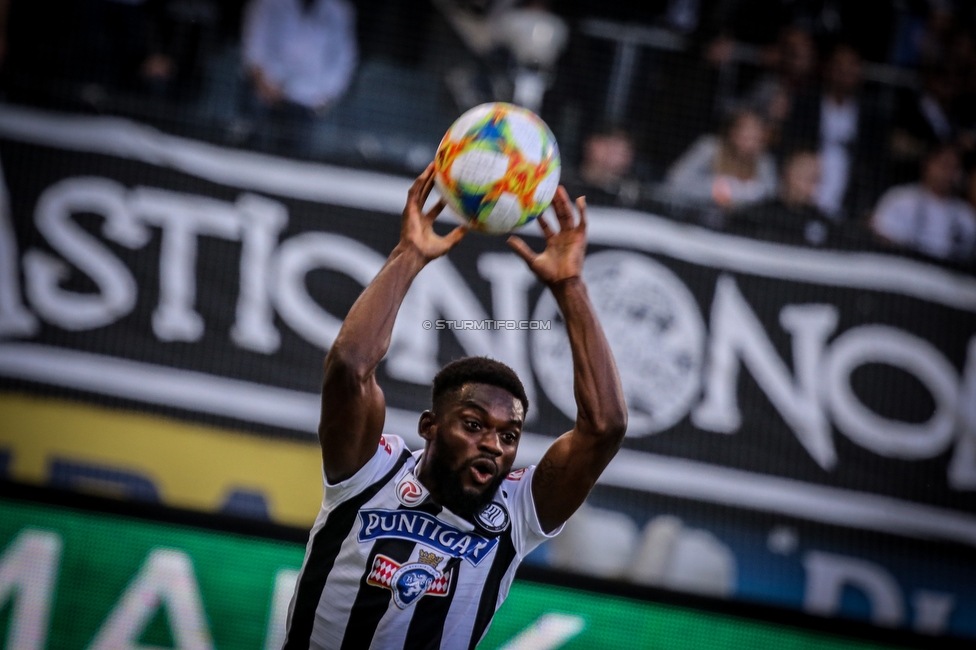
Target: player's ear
{"points": [[426, 425]]}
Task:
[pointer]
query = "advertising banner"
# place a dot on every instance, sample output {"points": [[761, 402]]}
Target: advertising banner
{"points": [[73, 579], [192, 291]]}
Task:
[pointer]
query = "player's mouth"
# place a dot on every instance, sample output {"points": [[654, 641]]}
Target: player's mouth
{"points": [[483, 470]]}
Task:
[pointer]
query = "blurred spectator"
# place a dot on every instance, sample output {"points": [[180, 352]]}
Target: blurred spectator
{"points": [[604, 175], [175, 30], [794, 60], [922, 33], [110, 46], [963, 57], [511, 50], [924, 120], [728, 171], [750, 22], [971, 200], [792, 217], [534, 37], [133, 45], [866, 24], [842, 125], [927, 217], [300, 57]]}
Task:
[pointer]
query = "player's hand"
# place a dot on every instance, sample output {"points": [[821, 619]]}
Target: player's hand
{"points": [[563, 257], [417, 226]]}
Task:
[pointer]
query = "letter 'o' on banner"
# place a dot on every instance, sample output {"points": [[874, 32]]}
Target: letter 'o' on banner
{"points": [[889, 346]]}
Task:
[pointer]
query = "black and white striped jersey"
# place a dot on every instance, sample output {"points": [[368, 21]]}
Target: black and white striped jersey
{"points": [[386, 568]]}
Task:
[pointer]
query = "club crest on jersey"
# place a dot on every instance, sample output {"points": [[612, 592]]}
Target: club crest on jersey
{"points": [[409, 491], [426, 529], [412, 581], [493, 517]]}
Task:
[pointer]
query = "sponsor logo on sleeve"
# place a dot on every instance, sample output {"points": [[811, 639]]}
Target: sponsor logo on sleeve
{"points": [[409, 491], [493, 517]]}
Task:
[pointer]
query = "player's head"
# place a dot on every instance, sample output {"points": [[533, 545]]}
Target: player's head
{"points": [[844, 72], [608, 154], [801, 177], [477, 370], [941, 169], [472, 431]]}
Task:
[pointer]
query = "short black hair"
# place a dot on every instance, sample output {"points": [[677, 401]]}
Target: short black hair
{"points": [[733, 117], [478, 370], [612, 130], [801, 149], [939, 148]]}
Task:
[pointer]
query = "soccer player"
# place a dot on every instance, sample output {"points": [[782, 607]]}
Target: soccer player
{"points": [[418, 550]]}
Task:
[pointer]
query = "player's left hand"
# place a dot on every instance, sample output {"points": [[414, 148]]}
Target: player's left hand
{"points": [[417, 226], [563, 257]]}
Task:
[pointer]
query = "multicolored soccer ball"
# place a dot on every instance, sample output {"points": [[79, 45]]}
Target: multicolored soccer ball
{"points": [[498, 167]]}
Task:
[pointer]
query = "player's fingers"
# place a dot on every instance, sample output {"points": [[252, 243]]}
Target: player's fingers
{"points": [[581, 206], [434, 211], [547, 231], [455, 236], [521, 248], [420, 182], [563, 209], [418, 185], [428, 186]]}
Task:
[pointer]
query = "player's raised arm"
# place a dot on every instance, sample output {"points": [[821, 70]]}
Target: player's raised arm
{"points": [[353, 407], [571, 466]]}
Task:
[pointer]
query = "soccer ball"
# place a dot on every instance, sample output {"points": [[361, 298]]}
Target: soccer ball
{"points": [[498, 167]]}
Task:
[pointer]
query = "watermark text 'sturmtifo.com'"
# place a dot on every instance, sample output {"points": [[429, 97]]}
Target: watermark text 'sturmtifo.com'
{"points": [[488, 324]]}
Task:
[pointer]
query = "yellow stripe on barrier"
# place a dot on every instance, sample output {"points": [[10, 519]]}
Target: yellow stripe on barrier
{"points": [[192, 466]]}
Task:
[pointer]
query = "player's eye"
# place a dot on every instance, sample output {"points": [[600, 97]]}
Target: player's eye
{"points": [[473, 425]]}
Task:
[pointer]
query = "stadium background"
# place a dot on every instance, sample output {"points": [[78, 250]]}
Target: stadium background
{"points": [[177, 257]]}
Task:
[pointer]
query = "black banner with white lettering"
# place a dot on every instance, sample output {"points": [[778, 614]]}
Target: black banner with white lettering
{"points": [[154, 274]]}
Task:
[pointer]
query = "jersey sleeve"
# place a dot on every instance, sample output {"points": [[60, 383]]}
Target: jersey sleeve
{"points": [[527, 532], [387, 452]]}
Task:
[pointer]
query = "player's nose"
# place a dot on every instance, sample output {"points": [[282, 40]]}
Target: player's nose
{"points": [[491, 442]]}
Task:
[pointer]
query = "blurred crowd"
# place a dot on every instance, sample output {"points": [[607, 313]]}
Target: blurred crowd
{"points": [[816, 122]]}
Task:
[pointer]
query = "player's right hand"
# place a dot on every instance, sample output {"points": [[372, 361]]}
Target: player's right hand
{"points": [[417, 226], [565, 250]]}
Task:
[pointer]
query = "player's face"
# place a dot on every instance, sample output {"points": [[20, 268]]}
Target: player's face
{"points": [[473, 441]]}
